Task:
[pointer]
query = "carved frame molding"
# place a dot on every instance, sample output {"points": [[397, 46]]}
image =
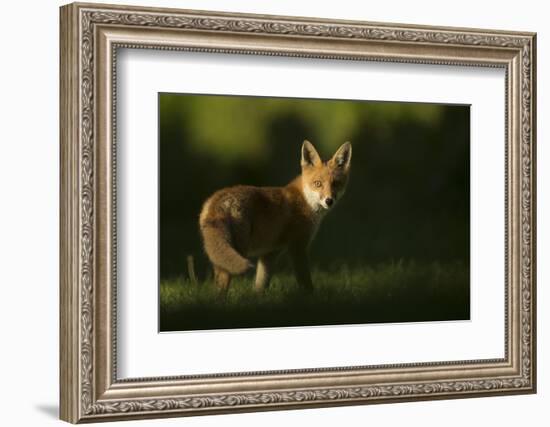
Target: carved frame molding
{"points": [[90, 37]]}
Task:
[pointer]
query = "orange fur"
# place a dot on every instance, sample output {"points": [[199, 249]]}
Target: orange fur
{"points": [[242, 222]]}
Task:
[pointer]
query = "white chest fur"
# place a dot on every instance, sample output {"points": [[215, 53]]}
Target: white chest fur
{"points": [[313, 199]]}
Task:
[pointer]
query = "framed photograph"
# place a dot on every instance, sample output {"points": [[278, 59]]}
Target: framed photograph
{"points": [[266, 212]]}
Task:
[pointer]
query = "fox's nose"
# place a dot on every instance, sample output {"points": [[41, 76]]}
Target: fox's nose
{"points": [[329, 201]]}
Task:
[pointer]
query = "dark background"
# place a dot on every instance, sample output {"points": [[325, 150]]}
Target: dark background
{"points": [[408, 194]]}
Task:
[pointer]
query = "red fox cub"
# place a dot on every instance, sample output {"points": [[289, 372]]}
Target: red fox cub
{"points": [[242, 222]]}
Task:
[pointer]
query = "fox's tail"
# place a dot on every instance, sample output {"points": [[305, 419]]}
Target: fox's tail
{"points": [[217, 238]]}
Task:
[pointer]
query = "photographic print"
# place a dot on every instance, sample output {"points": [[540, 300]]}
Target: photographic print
{"points": [[279, 212], [196, 214]]}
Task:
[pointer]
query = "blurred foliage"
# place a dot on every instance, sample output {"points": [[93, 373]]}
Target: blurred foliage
{"points": [[235, 129], [408, 195]]}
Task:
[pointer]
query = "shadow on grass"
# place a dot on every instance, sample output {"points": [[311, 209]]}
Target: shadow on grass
{"points": [[396, 292]]}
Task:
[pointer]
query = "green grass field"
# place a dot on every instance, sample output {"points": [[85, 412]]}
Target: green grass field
{"points": [[394, 292]]}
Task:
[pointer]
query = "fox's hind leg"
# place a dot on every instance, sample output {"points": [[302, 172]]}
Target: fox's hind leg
{"points": [[222, 279]]}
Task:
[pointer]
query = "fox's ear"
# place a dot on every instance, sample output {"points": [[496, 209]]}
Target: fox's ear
{"points": [[310, 157], [342, 157]]}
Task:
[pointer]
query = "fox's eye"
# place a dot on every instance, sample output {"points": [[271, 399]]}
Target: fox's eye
{"points": [[317, 183]]}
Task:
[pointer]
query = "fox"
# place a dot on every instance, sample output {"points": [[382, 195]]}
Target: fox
{"points": [[243, 222]]}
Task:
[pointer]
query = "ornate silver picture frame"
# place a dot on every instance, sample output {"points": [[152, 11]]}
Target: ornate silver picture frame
{"points": [[90, 388]]}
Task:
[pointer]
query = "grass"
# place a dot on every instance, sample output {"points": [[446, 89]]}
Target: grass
{"points": [[394, 292]]}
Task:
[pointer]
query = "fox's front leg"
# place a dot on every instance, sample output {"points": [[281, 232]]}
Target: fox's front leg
{"points": [[264, 271], [300, 263]]}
